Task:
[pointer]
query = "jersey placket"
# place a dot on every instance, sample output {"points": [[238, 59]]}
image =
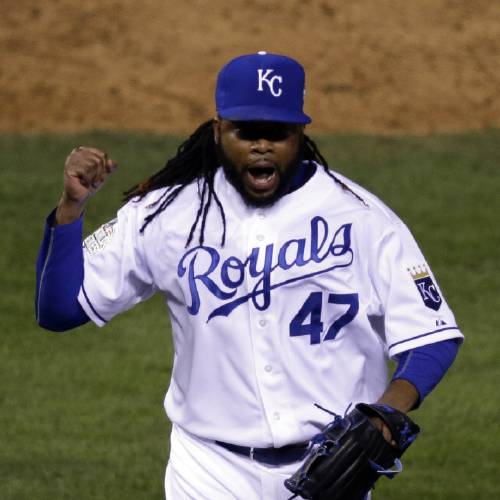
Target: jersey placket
{"points": [[264, 330]]}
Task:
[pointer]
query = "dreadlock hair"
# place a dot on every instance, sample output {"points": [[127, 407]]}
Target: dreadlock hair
{"points": [[196, 159]]}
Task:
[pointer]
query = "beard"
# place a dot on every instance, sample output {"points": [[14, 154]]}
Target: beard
{"points": [[286, 174]]}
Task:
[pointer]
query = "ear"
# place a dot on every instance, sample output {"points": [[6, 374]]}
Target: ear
{"points": [[216, 129]]}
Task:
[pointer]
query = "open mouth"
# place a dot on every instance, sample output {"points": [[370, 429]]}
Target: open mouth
{"points": [[262, 176]]}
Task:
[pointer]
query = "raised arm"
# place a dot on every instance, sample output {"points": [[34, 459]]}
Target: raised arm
{"points": [[59, 267]]}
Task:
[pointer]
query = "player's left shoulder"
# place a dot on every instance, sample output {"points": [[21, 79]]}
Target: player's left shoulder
{"points": [[372, 203]]}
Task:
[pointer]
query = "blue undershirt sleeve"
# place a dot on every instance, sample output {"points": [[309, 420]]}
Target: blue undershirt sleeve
{"points": [[59, 276], [425, 366]]}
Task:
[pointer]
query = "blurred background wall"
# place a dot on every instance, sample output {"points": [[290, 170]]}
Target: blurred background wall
{"points": [[384, 66]]}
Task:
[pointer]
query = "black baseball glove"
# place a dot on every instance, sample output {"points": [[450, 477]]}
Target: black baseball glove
{"points": [[350, 454]]}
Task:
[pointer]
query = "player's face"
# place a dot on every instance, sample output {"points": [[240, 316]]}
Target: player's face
{"points": [[258, 157]]}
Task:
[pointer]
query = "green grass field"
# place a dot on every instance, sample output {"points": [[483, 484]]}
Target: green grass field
{"points": [[81, 413]]}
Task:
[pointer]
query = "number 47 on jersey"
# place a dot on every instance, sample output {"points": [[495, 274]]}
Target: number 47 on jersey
{"points": [[307, 321]]}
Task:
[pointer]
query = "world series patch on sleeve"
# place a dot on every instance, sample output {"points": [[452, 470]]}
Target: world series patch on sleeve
{"points": [[99, 238]]}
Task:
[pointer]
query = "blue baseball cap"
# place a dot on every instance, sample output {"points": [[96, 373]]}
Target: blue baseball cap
{"points": [[261, 86]]}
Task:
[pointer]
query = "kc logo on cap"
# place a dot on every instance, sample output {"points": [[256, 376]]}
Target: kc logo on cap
{"points": [[264, 78], [263, 86]]}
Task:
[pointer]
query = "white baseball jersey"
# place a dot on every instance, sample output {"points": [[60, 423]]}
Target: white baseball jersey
{"points": [[302, 305]]}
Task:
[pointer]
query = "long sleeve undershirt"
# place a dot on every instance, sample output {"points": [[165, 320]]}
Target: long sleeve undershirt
{"points": [[59, 276]]}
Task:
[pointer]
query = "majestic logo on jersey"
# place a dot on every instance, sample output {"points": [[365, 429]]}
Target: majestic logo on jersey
{"points": [[265, 77], [322, 251], [426, 287]]}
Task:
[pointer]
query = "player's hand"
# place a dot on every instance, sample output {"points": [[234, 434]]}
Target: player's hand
{"points": [[382, 427], [85, 172]]}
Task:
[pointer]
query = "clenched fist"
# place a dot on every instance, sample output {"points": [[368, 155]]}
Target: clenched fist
{"points": [[85, 171]]}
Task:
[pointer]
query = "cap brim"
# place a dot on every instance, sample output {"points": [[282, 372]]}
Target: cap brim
{"points": [[263, 113]]}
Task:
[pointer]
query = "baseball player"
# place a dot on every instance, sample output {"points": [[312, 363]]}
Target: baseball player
{"points": [[288, 287]]}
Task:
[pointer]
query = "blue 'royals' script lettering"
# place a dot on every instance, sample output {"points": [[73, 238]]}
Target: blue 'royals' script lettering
{"points": [[203, 265]]}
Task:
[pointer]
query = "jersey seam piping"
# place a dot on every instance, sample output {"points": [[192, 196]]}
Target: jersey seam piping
{"points": [[423, 335], [91, 306], [404, 367], [42, 275]]}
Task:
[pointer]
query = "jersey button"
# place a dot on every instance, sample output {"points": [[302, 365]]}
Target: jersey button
{"points": [[260, 237], [276, 415], [268, 368], [261, 215], [262, 322]]}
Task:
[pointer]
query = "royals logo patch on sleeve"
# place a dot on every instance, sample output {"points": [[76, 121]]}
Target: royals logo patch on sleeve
{"points": [[426, 287], [100, 238]]}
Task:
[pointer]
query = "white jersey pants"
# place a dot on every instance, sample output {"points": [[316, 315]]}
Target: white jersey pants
{"points": [[200, 469]]}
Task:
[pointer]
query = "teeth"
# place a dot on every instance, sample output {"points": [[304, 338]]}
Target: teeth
{"points": [[261, 176], [261, 172], [265, 175]]}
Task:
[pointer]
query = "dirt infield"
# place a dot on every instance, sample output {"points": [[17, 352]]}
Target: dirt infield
{"points": [[372, 65]]}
